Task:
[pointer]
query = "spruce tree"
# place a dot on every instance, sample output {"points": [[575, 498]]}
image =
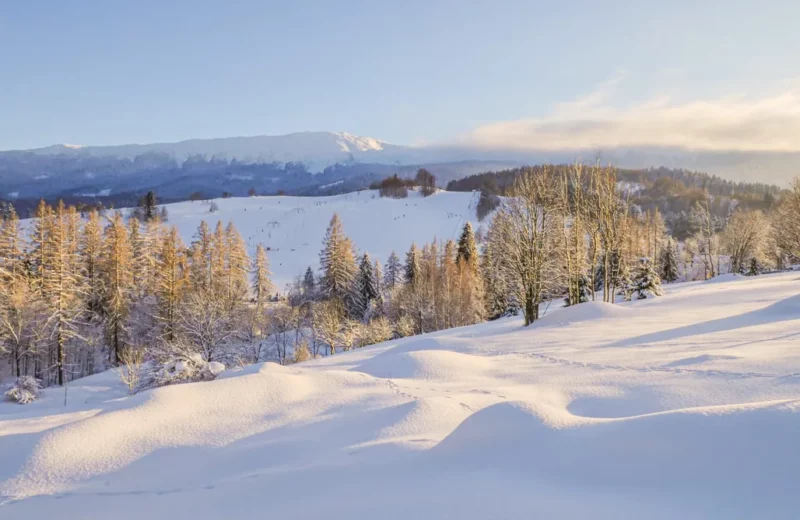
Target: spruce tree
{"points": [[669, 264], [755, 269], [467, 248], [309, 283], [646, 280], [413, 269], [393, 272], [367, 283]]}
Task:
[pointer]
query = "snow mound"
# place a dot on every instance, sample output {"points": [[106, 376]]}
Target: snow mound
{"points": [[197, 414], [723, 278], [698, 360], [701, 449], [583, 312], [441, 365], [427, 419]]}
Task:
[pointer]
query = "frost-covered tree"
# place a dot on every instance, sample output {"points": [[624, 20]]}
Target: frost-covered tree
{"points": [[669, 263], [467, 248], [117, 284], [412, 269], [393, 273], [260, 275], [367, 282], [646, 281], [339, 269], [754, 269], [309, 283]]}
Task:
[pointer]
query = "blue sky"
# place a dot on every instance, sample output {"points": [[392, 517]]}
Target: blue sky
{"points": [[114, 72]]}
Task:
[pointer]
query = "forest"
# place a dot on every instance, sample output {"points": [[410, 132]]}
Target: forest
{"points": [[81, 292]]}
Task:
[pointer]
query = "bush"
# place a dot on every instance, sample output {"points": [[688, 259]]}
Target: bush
{"points": [[25, 390], [393, 187], [184, 369]]}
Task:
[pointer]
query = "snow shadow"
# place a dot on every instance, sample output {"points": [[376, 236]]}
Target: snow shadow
{"points": [[783, 310]]}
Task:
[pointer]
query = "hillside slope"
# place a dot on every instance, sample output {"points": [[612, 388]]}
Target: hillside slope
{"points": [[686, 406], [293, 227]]}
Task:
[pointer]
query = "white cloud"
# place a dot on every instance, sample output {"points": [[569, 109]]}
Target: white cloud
{"points": [[767, 123]]}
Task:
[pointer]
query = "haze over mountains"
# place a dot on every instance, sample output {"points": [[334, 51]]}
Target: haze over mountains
{"points": [[318, 163]]}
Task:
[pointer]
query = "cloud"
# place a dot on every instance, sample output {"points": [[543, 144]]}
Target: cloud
{"points": [[733, 123]]}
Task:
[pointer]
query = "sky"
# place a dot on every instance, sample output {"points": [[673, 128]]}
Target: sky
{"points": [[716, 74]]}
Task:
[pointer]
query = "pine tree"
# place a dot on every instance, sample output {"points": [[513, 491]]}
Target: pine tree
{"points": [[413, 269], [309, 283], [755, 269], [669, 264], [367, 282], [646, 281], [393, 272], [378, 278], [467, 248], [260, 275], [236, 267]]}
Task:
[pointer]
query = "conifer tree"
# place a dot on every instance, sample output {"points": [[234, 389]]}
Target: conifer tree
{"points": [[309, 283], [646, 281], [755, 269], [367, 282], [339, 269], [393, 273], [467, 248], [116, 262], [171, 266], [413, 269], [260, 275], [669, 264]]}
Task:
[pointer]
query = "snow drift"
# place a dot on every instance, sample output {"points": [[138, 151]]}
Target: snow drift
{"points": [[629, 411]]}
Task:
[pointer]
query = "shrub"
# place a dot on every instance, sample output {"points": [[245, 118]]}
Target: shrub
{"points": [[25, 390], [183, 369]]}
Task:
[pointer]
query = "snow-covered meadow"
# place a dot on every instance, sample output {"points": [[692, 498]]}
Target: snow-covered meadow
{"points": [[293, 227], [685, 406]]}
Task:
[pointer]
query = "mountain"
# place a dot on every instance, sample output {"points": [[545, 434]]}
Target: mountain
{"points": [[312, 163]]}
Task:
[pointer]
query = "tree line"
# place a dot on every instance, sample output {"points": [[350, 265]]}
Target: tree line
{"points": [[80, 293]]}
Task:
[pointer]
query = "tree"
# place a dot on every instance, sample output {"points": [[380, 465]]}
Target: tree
{"points": [[251, 192], [367, 283], [309, 283], [327, 317], [393, 272], [755, 269], [467, 248], [339, 270], [413, 269], [172, 277], [426, 181], [669, 264], [745, 237], [117, 281], [646, 281], [260, 275], [786, 221], [525, 238], [148, 206]]}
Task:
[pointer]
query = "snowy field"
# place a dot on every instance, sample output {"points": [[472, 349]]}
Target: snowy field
{"points": [[293, 227], [682, 407]]}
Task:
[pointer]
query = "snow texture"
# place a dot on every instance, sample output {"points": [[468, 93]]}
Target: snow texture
{"points": [[680, 407]]}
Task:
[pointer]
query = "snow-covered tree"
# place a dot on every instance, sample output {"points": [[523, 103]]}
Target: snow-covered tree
{"points": [[467, 248], [393, 273], [646, 281], [412, 269], [669, 263], [260, 275], [339, 269], [367, 282]]}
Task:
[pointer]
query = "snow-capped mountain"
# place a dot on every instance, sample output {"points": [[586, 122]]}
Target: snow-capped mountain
{"points": [[315, 150]]}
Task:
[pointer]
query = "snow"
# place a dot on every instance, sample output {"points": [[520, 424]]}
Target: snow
{"points": [[293, 227], [685, 406]]}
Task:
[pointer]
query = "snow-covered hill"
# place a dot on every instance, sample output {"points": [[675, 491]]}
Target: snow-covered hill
{"points": [[293, 227], [682, 407]]}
